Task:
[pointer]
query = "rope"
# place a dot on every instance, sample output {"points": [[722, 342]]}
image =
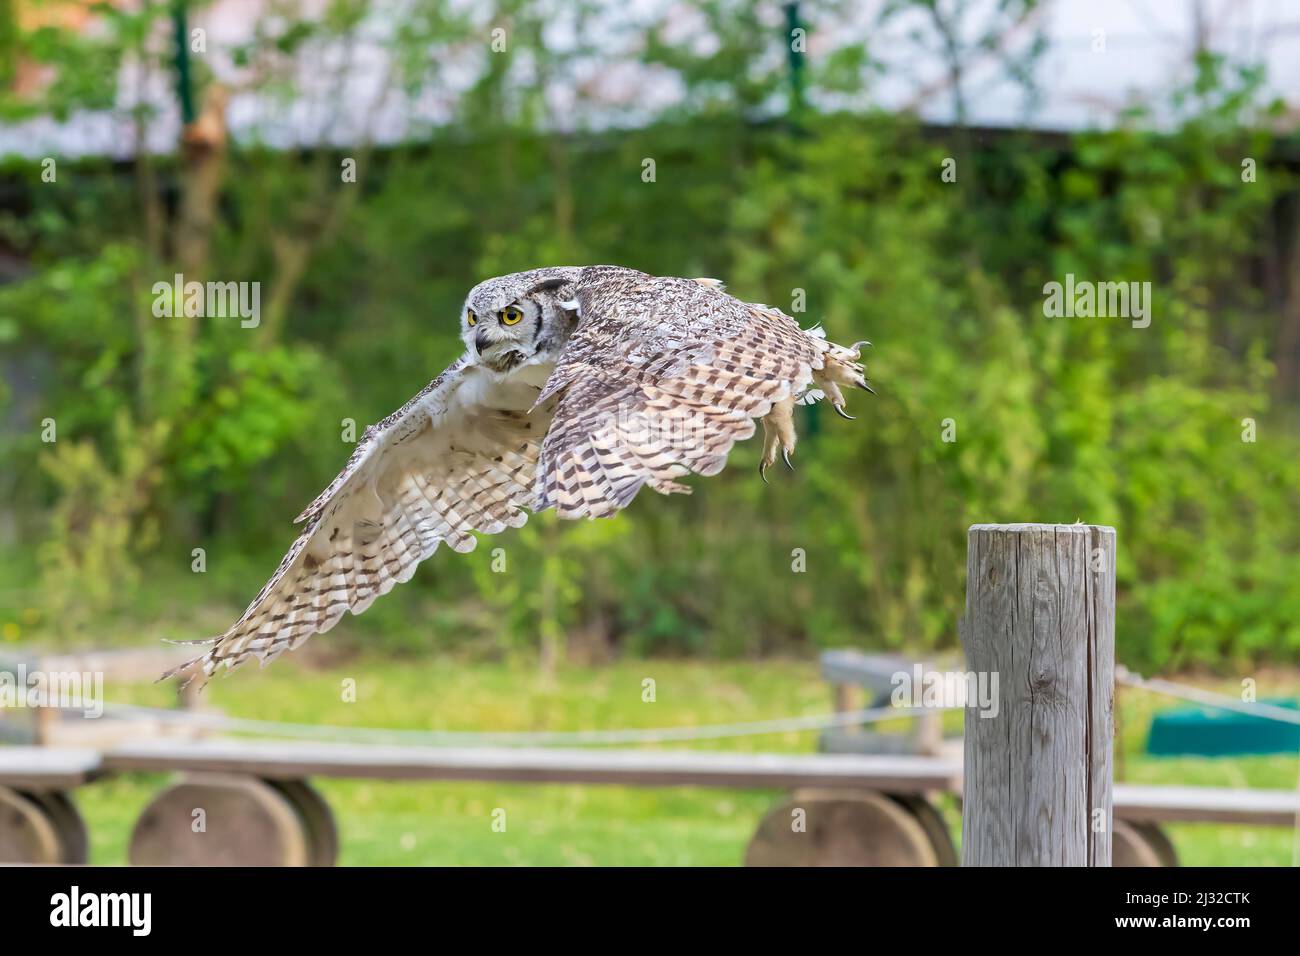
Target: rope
{"points": [[273, 728], [1220, 702], [1208, 698], [542, 738]]}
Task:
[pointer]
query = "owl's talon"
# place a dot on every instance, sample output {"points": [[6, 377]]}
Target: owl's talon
{"points": [[762, 472], [867, 388], [839, 410], [785, 453]]}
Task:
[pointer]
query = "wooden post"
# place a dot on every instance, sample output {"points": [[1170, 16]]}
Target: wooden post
{"points": [[45, 721], [1040, 615]]}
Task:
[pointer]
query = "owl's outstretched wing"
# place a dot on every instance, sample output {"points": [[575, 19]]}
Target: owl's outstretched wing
{"points": [[662, 376], [459, 457]]}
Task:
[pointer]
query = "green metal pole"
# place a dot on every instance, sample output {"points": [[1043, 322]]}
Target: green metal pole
{"points": [[792, 24], [794, 117], [184, 82]]}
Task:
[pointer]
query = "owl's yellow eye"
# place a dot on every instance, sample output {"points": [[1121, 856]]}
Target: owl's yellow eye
{"points": [[470, 317], [511, 316]]}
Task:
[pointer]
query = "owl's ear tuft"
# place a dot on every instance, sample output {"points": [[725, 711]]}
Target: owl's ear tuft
{"points": [[546, 285]]}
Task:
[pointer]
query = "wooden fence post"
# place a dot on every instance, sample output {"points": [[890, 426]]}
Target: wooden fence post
{"points": [[1040, 615]]}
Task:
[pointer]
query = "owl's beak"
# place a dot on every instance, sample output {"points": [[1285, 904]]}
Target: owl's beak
{"points": [[481, 342]]}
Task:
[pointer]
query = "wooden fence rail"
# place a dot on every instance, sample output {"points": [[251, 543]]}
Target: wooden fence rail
{"points": [[1035, 776]]}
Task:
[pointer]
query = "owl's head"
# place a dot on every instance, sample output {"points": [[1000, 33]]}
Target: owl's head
{"points": [[520, 319]]}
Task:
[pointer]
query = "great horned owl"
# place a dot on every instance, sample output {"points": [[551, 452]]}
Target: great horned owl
{"points": [[578, 385]]}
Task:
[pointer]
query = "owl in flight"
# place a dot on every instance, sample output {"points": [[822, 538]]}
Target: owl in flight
{"points": [[578, 385]]}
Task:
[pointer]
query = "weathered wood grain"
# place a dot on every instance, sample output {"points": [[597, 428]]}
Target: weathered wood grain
{"points": [[27, 835], [47, 768], [843, 828], [275, 761], [1040, 614], [1162, 804], [218, 820]]}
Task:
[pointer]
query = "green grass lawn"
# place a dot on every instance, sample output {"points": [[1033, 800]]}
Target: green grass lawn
{"points": [[402, 823]]}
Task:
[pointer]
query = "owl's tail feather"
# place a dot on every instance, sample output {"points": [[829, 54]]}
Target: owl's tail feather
{"points": [[178, 670], [188, 665]]}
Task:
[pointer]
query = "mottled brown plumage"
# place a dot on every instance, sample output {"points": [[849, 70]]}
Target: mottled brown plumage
{"points": [[579, 386]]}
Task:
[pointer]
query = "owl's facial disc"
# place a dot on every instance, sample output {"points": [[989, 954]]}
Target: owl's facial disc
{"points": [[504, 339]]}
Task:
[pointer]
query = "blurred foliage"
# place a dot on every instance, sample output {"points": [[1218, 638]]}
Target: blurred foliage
{"points": [[173, 437]]}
